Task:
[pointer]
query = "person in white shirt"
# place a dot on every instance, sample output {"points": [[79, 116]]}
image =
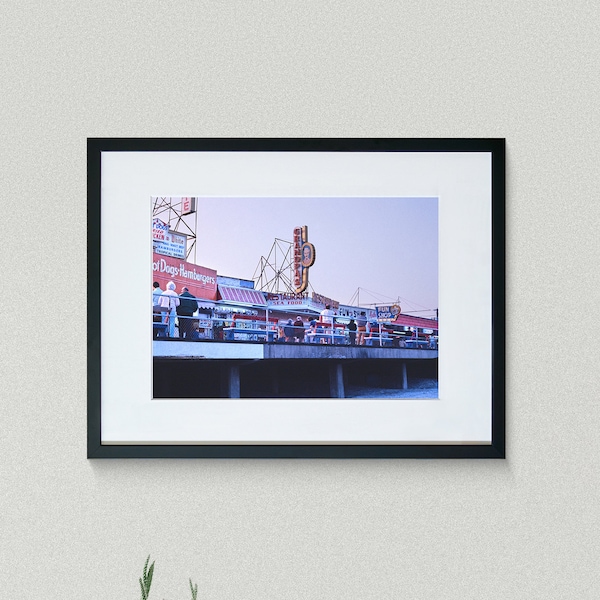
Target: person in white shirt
{"points": [[327, 314], [361, 324], [156, 315], [169, 301], [156, 292], [327, 317]]}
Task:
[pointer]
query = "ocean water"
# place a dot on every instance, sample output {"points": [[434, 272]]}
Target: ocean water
{"points": [[421, 388]]}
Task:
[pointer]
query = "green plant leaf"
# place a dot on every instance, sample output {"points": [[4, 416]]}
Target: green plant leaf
{"points": [[149, 579], [146, 579], [194, 589]]}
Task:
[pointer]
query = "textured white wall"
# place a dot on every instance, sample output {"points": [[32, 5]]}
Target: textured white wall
{"points": [[526, 527]]}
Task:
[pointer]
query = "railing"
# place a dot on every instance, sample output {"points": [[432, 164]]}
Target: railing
{"points": [[170, 327], [176, 327]]}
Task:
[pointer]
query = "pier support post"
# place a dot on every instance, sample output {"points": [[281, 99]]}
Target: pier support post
{"points": [[232, 381], [336, 380], [404, 376]]}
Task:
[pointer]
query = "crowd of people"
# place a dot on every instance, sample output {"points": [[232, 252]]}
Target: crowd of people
{"points": [[168, 306], [322, 330], [172, 310], [357, 332]]}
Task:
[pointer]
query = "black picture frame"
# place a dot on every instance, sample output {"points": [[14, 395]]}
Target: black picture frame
{"points": [[495, 147]]}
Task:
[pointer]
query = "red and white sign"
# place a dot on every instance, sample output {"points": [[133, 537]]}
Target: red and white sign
{"points": [[159, 230], [201, 282], [188, 205]]}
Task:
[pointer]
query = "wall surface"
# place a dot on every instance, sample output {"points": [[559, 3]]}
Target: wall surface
{"points": [[527, 527]]}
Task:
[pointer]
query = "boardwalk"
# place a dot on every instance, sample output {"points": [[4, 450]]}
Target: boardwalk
{"points": [[245, 369], [250, 350]]}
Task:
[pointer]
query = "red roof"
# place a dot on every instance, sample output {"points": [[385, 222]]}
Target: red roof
{"points": [[241, 295]]}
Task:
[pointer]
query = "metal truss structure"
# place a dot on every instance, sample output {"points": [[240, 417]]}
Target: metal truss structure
{"points": [[169, 210], [275, 273]]}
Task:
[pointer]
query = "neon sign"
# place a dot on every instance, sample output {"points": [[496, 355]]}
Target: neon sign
{"points": [[304, 258]]}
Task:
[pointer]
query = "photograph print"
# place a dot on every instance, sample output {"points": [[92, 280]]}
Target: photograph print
{"points": [[295, 297]]}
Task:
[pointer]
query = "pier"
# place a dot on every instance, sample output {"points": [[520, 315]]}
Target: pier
{"points": [[212, 369]]}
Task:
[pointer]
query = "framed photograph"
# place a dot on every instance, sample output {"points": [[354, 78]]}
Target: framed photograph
{"points": [[296, 298]]}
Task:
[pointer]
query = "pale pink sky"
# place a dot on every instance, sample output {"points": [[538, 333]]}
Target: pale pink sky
{"points": [[388, 246]]}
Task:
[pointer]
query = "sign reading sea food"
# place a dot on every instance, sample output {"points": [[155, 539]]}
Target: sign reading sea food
{"points": [[304, 258]]}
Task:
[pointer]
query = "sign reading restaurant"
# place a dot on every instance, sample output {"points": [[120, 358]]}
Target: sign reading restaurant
{"points": [[285, 299], [304, 258]]}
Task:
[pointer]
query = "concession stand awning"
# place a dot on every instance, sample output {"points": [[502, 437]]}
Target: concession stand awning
{"points": [[242, 296], [412, 321], [205, 304]]}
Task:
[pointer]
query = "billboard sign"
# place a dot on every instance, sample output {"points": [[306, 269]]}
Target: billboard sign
{"points": [[386, 314], [353, 312], [173, 244], [201, 282], [324, 301], [235, 282]]}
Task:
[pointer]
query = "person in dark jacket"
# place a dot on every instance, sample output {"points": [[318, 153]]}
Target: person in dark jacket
{"points": [[299, 329], [352, 332], [188, 305], [288, 331]]}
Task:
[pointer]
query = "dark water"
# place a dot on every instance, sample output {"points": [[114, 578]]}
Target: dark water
{"points": [[421, 388]]}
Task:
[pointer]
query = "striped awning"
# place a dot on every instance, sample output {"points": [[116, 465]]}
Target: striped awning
{"points": [[205, 304], [242, 295]]}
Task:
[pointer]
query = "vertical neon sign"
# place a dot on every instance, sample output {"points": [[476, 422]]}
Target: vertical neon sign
{"points": [[304, 258]]}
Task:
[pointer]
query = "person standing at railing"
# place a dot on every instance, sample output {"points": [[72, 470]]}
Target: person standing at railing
{"points": [[312, 329], [352, 332], [156, 315], [299, 329], [169, 301], [188, 305], [327, 315], [156, 292], [327, 318], [361, 324], [288, 331]]}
